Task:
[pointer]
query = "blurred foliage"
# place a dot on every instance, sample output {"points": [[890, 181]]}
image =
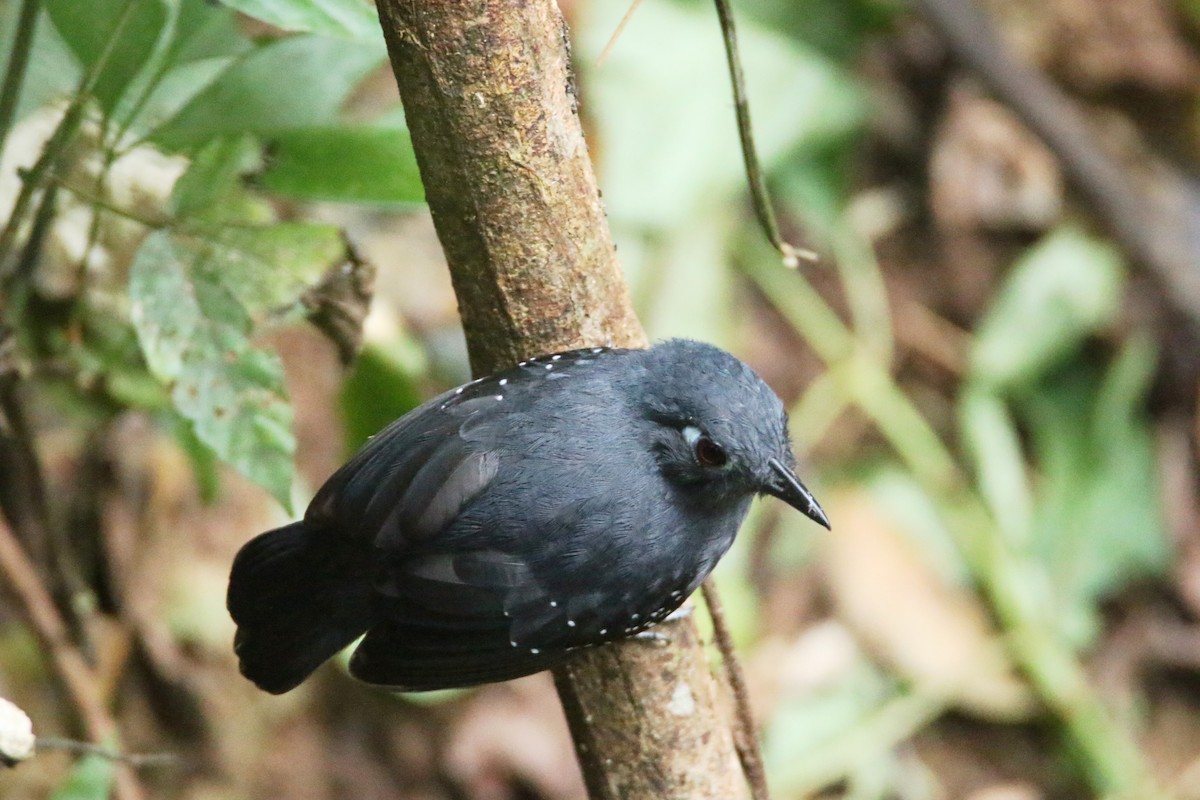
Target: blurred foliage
{"points": [[1028, 490], [216, 267]]}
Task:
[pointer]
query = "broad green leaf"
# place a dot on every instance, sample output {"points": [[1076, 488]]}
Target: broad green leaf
{"points": [[52, 71], [348, 164], [296, 82], [663, 105], [194, 333], [1064, 289], [994, 445], [837, 28], [90, 779], [352, 19], [174, 90], [381, 387], [683, 286], [268, 267], [92, 27], [1098, 522], [213, 174], [206, 30]]}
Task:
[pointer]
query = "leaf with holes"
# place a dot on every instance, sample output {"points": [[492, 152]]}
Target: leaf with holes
{"points": [[195, 333]]}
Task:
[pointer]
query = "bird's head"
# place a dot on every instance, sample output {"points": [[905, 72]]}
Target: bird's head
{"points": [[716, 428]]}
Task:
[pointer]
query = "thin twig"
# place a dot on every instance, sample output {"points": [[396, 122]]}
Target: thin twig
{"points": [[135, 760], [14, 72], [758, 186], [612, 40], [745, 734]]}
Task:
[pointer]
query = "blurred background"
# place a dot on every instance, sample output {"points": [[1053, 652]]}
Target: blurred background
{"points": [[992, 373]]}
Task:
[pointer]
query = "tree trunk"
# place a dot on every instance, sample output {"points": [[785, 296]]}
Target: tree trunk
{"points": [[490, 100]]}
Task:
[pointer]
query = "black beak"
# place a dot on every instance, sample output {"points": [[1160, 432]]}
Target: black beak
{"points": [[788, 488]]}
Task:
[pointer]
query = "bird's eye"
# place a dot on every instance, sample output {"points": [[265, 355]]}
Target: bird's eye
{"points": [[708, 453]]}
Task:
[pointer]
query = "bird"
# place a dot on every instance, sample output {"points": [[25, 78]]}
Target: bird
{"points": [[572, 500]]}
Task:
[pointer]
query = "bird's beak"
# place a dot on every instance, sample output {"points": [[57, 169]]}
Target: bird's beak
{"points": [[788, 488]]}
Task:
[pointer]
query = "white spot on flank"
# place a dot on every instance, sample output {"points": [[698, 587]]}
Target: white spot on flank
{"points": [[459, 390], [504, 381], [534, 650], [635, 616], [514, 644], [555, 358], [549, 366], [554, 604], [523, 363], [570, 623], [499, 397], [597, 349], [603, 631]]}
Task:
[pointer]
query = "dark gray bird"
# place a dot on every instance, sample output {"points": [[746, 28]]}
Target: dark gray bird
{"points": [[575, 499]]}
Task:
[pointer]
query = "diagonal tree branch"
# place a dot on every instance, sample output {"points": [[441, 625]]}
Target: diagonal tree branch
{"points": [[491, 105]]}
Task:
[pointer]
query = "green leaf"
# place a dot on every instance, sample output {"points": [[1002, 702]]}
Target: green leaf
{"points": [[194, 333], [382, 387], [296, 82], [206, 30], [90, 779], [269, 267], [352, 19], [992, 440], [213, 174], [1061, 291], [349, 164], [89, 26], [663, 104], [1098, 520], [52, 71], [176, 88]]}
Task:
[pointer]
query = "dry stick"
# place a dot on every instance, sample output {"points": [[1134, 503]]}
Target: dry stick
{"points": [[758, 185], [612, 40], [745, 735], [135, 760], [77, 676]]}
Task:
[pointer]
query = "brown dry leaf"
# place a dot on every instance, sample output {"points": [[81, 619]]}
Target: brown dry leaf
{"points": [[988, 171], [935, 635]]}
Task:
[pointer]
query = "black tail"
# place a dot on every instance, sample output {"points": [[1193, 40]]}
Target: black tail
{"points": [[298, 596]]}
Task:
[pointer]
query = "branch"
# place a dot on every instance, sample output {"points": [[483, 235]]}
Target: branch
{"points": [[491, 106], [745, 733], [14, 71], [759, 194], [75, 674]]}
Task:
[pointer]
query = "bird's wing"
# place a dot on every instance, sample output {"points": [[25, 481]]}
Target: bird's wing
{"points": [[459, 618]]}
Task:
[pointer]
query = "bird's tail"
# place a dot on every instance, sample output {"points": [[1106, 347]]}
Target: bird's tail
{"points": [[298, 594]]}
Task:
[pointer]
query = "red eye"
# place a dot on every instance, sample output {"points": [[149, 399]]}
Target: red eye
{"points": [[709, 453]]}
